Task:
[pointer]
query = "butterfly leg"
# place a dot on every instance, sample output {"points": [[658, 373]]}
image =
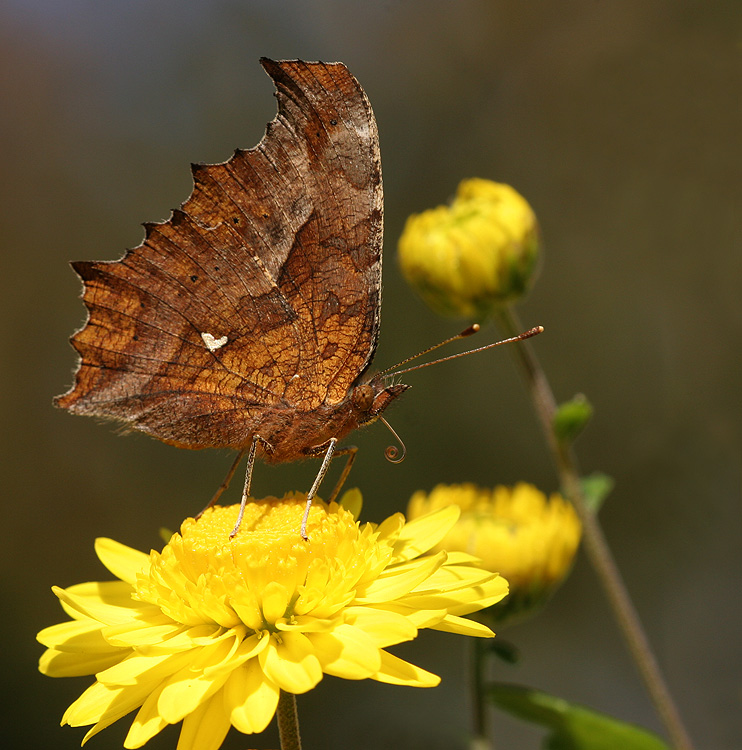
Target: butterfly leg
{"points": [[317, 481], [223, 486], [350, 451], [248, 478]]}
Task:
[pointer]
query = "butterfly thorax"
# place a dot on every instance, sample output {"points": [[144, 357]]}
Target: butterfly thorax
{"points": [[296, 434]]}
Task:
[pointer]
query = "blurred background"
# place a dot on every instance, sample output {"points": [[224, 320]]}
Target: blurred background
{"points": [[619, 122]]}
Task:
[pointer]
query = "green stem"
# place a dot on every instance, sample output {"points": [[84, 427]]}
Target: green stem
{"points": [[288, 722], [478, 679], [594, 540]]}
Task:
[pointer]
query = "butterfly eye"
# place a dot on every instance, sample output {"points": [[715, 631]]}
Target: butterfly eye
{"points": [[363, 397]]}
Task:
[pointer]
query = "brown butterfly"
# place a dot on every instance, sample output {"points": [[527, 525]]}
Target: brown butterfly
{"points": [[249, 319]]}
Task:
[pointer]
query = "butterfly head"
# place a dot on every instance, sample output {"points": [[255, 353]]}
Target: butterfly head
{"points": [[372, 398]]}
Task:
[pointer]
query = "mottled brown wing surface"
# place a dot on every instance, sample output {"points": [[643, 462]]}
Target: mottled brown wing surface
{"points": [[260, 293]]}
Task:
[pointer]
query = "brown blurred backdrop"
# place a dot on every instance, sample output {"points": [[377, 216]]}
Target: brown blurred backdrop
{"points": [[620, 122]]}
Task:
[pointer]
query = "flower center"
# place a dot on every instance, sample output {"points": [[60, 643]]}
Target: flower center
{"points": [[267, 574]]}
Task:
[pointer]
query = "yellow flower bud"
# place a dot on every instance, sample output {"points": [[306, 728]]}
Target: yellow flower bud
{"points": [[528, 539], [480, 252]]}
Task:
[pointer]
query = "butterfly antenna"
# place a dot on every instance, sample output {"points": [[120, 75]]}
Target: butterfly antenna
{"points": [[468, 332], [472, 329], [391, 452]]}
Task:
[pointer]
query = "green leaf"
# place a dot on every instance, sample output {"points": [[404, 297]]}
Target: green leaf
{"points": [[595, 488], [573, 727], [571, 417]]}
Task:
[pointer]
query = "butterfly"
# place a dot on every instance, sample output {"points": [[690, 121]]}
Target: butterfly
{"points": [[249, 319]]}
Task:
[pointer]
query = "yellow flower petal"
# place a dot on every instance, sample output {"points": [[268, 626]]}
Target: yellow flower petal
{"points": [[199, 679], [346, 652], [114, 593], [148, 721], [400, 579], [197, 635], [105, 705], [383, 626], [490, 591], [463, 626], [206, 727], [55, 663], [305, 624], [142, 633], [457, 557], [250, 698], [352, 501], [396, 671], [489, 595], [124, 562], [136, 668], [90, 706], [450, 586], [275, 601], [106, 721], [419, 618], [389, 529], [452, 577], [82, 601], [422, 534], [291, 663], [75, 635]]}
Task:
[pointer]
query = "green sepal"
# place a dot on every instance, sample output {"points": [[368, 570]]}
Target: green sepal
{"points": [[503, 649], [165, 534], [571, 417], [573, 727]]}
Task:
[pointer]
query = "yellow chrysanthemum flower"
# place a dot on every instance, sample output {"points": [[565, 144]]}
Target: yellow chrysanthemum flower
{"points": [[527, 538], [471, 257], [211, 629]]}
